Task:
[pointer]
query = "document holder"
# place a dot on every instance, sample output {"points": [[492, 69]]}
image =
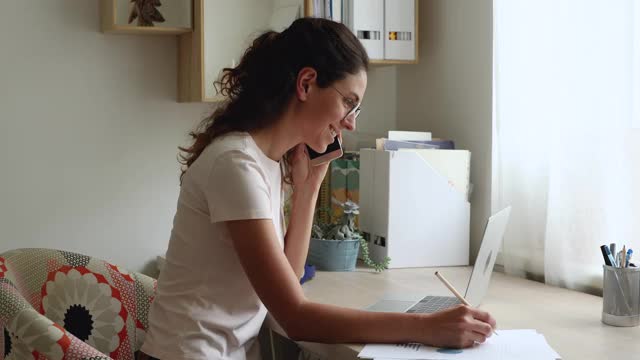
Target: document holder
{"points": [[411, 212]]}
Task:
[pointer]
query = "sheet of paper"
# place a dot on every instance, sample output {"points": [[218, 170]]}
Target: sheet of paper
{"points": [[409, 135], [510, 344]]}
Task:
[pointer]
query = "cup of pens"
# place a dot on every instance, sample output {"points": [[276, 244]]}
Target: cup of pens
{"points": [[620, 289], [621, 296]]}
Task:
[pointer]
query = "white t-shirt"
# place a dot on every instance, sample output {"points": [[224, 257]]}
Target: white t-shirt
{"points": [[205, 306]]}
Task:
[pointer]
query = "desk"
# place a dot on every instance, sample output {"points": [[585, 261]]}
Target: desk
{"points": [[569, 320]]}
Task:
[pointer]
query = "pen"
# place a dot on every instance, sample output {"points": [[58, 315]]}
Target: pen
{"points": [[455, 292], [612, 248], [607, 261], [607, 256], [629, 253], [619, 258]]}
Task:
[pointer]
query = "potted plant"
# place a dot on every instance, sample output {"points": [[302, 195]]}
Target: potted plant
{"points": [[334, 247]]}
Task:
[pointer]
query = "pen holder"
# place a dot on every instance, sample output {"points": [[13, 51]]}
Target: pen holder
{"points": [[621, 296]]}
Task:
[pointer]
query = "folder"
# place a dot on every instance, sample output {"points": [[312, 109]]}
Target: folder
{"points": [[336, 10], [318, 8], [366, 19], [399, 30], [410, 212]]}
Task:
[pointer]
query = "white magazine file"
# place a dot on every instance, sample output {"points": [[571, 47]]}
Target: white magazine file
{"points": [[410, 212], [399, 20], [366, 20]]}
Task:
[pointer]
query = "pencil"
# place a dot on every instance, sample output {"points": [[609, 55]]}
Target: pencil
{"points": [[455, 292]]}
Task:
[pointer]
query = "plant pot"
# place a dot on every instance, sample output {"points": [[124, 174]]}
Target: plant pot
{"points": [[333, 255]]}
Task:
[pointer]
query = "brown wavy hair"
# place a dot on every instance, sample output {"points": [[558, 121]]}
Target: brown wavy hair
{"points": [[258, 90]]}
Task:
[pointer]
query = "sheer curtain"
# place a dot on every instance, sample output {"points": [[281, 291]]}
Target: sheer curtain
{"points": [[565, 156]]}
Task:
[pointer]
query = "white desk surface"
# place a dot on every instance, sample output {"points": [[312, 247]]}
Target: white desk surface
{"points": [[569, 320]]}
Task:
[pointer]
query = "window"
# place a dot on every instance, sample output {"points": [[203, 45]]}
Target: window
{"points": [[636, 66]]}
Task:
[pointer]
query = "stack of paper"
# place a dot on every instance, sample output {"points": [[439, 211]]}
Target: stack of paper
{"points": [[509, 344], [393, 145], [409, 135]]}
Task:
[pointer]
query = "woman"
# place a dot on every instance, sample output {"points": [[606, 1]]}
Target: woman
{"points": [[230, 258]]}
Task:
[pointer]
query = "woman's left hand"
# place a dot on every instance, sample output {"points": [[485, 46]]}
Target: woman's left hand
{"points": [[305, 176]]}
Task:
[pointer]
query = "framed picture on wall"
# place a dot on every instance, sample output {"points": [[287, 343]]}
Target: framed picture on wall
{"points": [[147, 16]]}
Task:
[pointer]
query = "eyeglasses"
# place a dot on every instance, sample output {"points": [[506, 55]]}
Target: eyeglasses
{"points": [[354, 108]]}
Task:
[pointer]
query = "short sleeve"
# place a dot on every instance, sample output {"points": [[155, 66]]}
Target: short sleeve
{"points": [[237, 189]]}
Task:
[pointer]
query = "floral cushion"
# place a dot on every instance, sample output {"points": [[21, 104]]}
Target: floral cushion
{"points": [[56, 304]]}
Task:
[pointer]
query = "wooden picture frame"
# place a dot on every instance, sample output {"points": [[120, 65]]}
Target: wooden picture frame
{"points": [[177, 15]]}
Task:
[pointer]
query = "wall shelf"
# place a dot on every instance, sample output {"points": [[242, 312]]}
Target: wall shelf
{"points": [[191, 72], [201, 52], [308, 11]]}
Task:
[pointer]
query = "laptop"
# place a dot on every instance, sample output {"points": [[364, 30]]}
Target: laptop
{"points": [[478, 282]]}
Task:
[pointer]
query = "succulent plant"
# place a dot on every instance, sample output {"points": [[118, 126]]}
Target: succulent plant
{"points": [[345, 229]]}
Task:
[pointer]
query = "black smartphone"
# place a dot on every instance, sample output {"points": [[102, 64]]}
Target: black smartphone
{"points": [[333, 152]]}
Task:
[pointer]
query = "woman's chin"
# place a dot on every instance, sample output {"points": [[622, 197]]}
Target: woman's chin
{"points": [[319, 148], [321, 144]]}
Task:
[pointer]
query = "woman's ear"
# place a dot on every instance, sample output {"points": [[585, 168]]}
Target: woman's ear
{"points": [[305, 82]]}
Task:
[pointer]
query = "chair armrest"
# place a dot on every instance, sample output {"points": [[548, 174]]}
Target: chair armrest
{"points": [[40, 334]]}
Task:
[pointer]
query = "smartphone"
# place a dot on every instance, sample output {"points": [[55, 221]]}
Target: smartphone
{"points": [[333, 152]]}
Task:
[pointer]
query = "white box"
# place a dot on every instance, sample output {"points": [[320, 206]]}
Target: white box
{"points": [[455, 165], [410, 212], [366, 19], [399, 30]]}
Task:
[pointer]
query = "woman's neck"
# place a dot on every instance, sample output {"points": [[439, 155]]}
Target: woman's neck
{"points": [[277, 139]]}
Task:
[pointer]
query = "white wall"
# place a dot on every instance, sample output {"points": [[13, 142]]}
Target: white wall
{"points": [[89, 127], [378, 108], [449, 91], [223, 47]]}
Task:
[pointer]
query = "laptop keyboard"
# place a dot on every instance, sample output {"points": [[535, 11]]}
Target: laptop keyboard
{"points": [[431, 304]]}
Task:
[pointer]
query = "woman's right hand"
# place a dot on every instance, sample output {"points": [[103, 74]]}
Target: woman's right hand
{"points": [[303, 174], [458, 327]]}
